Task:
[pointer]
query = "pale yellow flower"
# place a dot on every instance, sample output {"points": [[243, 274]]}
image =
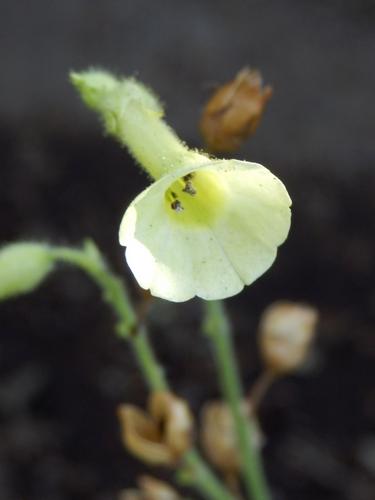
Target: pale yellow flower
{"points": [[205, 227], [206, 231]]}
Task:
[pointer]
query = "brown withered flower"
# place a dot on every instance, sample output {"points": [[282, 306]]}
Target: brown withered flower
{"points": [[150, 489], [233, 113], [161, 436], [286, 331]]}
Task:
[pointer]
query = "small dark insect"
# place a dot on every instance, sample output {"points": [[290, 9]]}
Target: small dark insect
{"points": [[189, 188], [176, 206]]}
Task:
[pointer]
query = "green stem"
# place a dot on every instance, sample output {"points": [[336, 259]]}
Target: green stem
{"points": [[90, 260], [152, 371], [193, 468], [194, 472], [218, 329], [92, 263]]}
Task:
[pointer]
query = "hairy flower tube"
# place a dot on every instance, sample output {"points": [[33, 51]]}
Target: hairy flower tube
{"points": [[205, 227]]}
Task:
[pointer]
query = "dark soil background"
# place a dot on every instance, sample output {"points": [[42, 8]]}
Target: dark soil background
{"points": [[62, 371]]}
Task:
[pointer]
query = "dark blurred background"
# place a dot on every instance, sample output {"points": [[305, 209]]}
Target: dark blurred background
{"points": [[62, 371]]}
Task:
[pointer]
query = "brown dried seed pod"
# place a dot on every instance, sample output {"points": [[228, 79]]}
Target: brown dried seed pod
{"points": [[142, 437], [174, 416], [150, 489], [218, 437], [233, 113], [154, 489], [161, 436], [286, 331]]}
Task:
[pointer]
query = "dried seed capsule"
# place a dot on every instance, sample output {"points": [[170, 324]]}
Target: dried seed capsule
{"points": [[233, 112], [286, 331], [150, 489], [161, 436], [218, 436]]}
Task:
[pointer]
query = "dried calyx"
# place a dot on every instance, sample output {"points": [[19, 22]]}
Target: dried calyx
{"points": [[218, 436], [160, 436], [150, 489], [233, 112], [286, 332]]}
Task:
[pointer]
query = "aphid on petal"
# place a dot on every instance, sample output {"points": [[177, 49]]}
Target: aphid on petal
{"points": [[233, 112]]}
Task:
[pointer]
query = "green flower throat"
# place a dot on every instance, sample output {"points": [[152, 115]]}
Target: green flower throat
{"points": [[196, 199]]}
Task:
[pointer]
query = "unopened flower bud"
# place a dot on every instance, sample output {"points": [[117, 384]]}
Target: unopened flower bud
{"points": [[150, 489], [234, 111], [286, 331], [94, 86], [23, 266], [161, 436]]}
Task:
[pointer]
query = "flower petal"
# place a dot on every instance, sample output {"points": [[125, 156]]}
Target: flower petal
{"points": [[214, 256], [256, 220]]}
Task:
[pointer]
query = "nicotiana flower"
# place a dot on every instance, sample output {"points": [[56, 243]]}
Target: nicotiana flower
{"points": [[205, 227], [206, 231]]}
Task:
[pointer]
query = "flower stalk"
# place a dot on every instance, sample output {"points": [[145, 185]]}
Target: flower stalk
{"points": [[192, 471], [195, 473], [217, 328]]}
